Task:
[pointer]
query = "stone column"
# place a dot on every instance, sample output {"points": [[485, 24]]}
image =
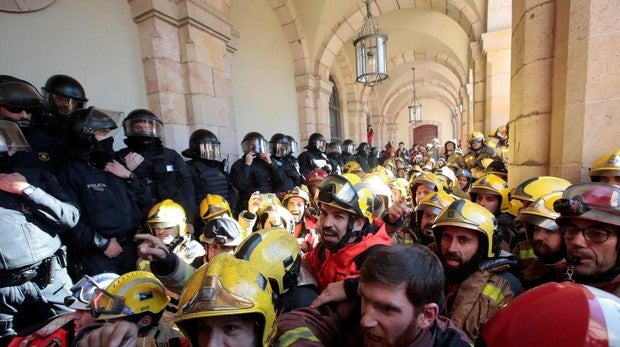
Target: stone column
{"points": [[479, 85], [496, 46], [313, 95], [585, 122], [531, 88], [186, 48]]}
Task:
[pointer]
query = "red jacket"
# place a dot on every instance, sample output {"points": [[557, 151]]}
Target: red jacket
{"points": [[328, 266]]}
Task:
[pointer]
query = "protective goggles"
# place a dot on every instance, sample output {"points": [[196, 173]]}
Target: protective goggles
{"points": [[105, 303], [80, 289]]}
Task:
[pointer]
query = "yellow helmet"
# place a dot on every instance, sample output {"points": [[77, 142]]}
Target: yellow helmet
{"points": [[475, 136], [469, 215], [337, 191], [378, 189], [223, 231], [492, 184], [606, 165], [448, 174], [541, 213], [534, 188], [296, 192], [212, 206], [276, 253], [167, 214], [402, 185], [226, 286], [353, 178], [437, 201], [130, 294], [426, 178], [353, 167], [380, 172]]}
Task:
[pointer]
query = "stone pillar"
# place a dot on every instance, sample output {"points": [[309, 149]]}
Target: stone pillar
{"points": [[496, 46], [313, 95], [585, 86], [186, 50], [479, 85], [531, 89], [356, 119]]}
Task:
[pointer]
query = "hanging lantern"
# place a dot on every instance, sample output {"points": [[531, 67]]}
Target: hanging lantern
{"points": [[370, 52], [415, 108]]}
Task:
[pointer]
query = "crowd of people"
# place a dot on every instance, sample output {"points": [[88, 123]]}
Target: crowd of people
{"points": [[342, 244]]}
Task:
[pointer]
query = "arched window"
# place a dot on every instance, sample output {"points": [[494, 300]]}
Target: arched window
{"points": [[334, 111]]}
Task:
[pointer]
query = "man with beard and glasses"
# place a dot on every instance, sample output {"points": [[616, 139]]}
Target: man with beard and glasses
{"points": [[590, 222], [347, 233], [106, 193], [400, 287], [544, 241], [477, 280]]}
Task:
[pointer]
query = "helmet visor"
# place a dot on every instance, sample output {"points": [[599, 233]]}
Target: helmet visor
{"points": [[293, 147], [256, 145], [320, 145], [280, 149], [212, 296], [145, 127], [336, 149], [596, 196], [349, 148], [210, 151], [337, 189], [11, 138]]}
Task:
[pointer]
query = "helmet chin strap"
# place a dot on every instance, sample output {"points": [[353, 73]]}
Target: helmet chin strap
{"points": [[351, 236]]}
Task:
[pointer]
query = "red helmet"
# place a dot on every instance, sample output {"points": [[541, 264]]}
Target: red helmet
{"points": [[556, 314], [315, 177]]}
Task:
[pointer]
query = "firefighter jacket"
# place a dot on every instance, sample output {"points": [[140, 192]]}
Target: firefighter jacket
{"points": [[482, 294], [328, 266]]}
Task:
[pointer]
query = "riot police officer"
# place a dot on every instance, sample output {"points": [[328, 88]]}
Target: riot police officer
{"points": [[21, 102], [361, 157], [279, 149], [107, 193], [207, 169], [314, 157], [34, 210], [255, 170], [63, 94], [162, 170]]}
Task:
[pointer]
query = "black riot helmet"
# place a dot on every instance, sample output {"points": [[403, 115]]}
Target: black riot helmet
{"points": [[279, 145], [318, 141], [348, 146], [254, 142], [17, 95], [203, 144], [66, 87], [143, 123], [82, 124], [364, 148]]}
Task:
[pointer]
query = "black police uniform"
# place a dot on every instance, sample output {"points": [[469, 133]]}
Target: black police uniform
{"points": [[164, 174], [312, 159], [258, 176], [109, 209]]}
